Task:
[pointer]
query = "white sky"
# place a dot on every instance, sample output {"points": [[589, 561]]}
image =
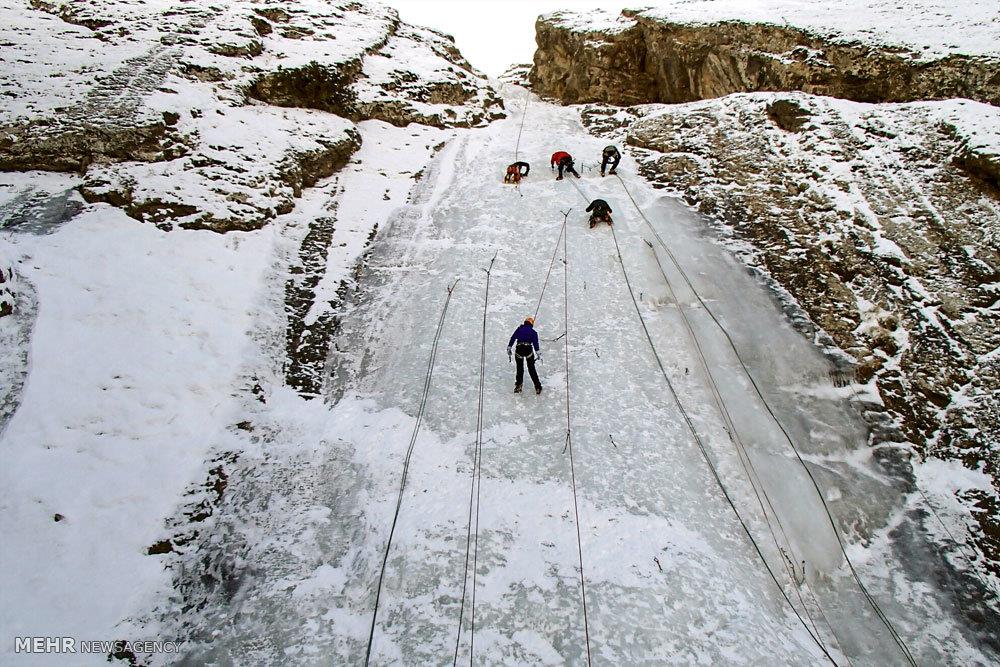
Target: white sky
{"points": [[494, 34]]}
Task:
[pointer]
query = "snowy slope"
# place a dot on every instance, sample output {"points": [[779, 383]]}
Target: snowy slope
{"points": [[293, 554], [143, 348]]}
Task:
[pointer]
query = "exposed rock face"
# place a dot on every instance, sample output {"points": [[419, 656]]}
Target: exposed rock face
{"points": [[7, 294], [870, 219], [160, 107], [517, 74], [312, 86], [229, 181], [642, 59]]}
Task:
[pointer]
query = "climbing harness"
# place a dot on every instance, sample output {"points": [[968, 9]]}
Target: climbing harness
{"points": [[406, 463]]}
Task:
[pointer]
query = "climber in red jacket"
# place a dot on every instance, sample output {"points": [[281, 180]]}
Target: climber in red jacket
{"points": [[565, 162]]}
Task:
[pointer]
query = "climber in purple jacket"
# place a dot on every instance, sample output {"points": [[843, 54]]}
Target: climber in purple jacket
{"points": [[524, 342]]}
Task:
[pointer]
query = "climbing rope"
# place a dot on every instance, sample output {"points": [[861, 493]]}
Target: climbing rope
{"points": [[524, 114], [703, 449], [555, 251], [569, 440], [745, 461], [475, 486], [406, 463], [871, 600], [707, 458]]}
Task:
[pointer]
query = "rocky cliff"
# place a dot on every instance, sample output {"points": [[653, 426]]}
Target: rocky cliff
{"points": [[642, 57], [216, 116]]}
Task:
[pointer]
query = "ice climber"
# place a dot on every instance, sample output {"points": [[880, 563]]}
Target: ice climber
{"points": [[516, 171], [565, 162], [599, 212], [610, 156], [524, 343]]}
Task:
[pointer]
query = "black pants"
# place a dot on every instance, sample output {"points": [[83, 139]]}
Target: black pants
{"points": [[530, 359], [569, 168], [610, 160]]}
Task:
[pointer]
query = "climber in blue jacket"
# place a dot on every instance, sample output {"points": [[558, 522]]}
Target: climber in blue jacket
{"points": [[524, 343]]}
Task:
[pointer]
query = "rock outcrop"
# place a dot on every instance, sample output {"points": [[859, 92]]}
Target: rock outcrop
{"points": [[8, 296], [642, 58], [170, 110], [228, 180], [518, 75]]}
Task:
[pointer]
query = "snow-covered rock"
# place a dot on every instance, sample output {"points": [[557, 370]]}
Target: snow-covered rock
{"points": [[246, 165], [853, 49], [8, 284], [517, 75], [169, 107]]}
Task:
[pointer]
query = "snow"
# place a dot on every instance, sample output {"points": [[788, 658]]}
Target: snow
{"points": [[144, 345], [594, 21], [370, 197], [140, 344], [669, 572], [53, 59], [946, 478], [411, 63], [136, 347], [929, 28], [45, 47], [238, 170]]}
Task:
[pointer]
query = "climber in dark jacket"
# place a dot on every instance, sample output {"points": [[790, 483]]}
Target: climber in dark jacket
{"points": [[516, 171], [599, 212], [610, 156], [565, 162], [524, 342]]}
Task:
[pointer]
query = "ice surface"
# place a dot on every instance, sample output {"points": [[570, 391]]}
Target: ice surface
{"points": [[671, 578]]}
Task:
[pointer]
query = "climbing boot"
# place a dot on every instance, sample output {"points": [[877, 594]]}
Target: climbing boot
{"points": [[538, 390], [517, 389], [558, 178], [612, 172]]}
